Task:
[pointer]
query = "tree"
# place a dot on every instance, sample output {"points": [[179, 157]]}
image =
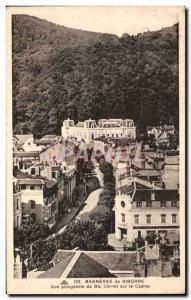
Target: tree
{"points": [[106, 168], [84, 74], [41, 254], [109, 179], [106, 198], [85, 235], [102, 215], [24, 236]]}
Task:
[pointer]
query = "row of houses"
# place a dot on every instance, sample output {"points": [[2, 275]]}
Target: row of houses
{"points": [[43, 187], [147, 198]]}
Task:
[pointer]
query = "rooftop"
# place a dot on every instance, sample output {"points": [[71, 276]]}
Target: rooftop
{"points": [[160, 195], [22, 138], [149, 173], [50, 183], [31, 181], [26, 154], [89, 264]]}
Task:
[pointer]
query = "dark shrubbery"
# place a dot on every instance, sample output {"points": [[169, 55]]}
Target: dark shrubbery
{"points": [[85, 235], [31, 239], [62, 72], [102, 214]]}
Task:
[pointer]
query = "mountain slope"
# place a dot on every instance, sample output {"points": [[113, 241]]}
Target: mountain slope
{"points": [[60, 72]]}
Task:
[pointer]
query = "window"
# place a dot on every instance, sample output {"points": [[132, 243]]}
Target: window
{"points": [[136, 219], [45, 202], [163, 204], [123, 217], [148, 219], [33, 171], [23, 186], [149, 204], [163, 219], [33, 204], [122, 203], [33, 217], [31, 187], [174, 204], [174, 218], [139, 204]]}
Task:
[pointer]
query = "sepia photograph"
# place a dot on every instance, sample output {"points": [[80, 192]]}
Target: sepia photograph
{"points": [[95, 150]]}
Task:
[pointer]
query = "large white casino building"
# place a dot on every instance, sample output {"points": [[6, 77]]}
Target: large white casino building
{"points": [[90, 129]]}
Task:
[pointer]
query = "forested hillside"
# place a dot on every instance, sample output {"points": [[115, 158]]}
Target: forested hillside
{"points": [[60, 72]]}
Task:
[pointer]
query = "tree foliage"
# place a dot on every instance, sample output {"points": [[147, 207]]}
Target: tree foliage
{"points": [[85, 235], [102, 215], [60, 72], [27, 234], [42, 253]]}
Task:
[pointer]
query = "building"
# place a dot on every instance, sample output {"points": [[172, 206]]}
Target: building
{"points": [[142, 211], [158, 130], [66, 189], [48, 140], [39, 200], [17, 204], [171, 172], [164, 137], [90, 130], [25, 143], [88, 264], [144, 262], [64, 175], [23, 160]]}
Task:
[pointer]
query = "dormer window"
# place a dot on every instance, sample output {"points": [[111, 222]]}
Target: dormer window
{"points": [[138, 204]]}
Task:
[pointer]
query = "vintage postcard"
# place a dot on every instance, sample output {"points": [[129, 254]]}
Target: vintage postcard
{"points": [[95, 150]]}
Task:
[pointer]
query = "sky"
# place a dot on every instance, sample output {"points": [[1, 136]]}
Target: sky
{"points": [[116, 20]]}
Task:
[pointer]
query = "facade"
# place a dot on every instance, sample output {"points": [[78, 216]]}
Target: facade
{"points": [[147, 212], [64, 175], [39, 200], [66, 189], [17, 204], [90, 130]]}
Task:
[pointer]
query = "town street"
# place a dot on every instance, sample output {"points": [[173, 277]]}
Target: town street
{"points": [[86, 206], [90, 203]]}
